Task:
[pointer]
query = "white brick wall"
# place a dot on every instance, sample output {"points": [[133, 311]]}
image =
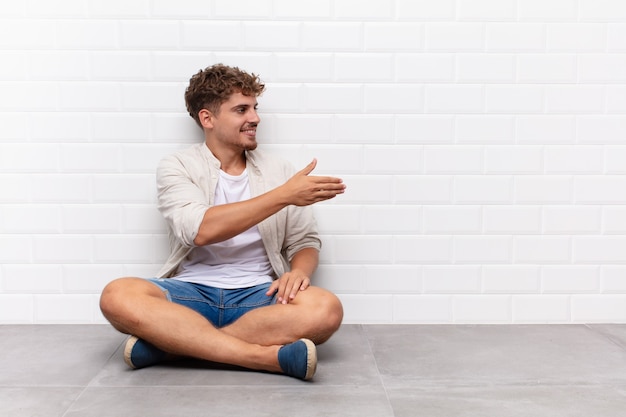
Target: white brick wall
{"points": [[483, 143]]}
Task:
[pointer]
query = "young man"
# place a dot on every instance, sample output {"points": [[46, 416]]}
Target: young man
{"points": [[236, 287]]}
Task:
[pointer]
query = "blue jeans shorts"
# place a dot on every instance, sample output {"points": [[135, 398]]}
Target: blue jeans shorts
{"points": [[220, 306]]}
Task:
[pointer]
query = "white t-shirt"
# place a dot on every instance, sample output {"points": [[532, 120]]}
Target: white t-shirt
{"points": [[239, 262]]}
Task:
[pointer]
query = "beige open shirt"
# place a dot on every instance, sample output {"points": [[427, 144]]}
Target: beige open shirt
{"points": [[186, 184]]}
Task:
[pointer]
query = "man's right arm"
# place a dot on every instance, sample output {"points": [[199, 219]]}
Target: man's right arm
{"points": [[226, 221]]}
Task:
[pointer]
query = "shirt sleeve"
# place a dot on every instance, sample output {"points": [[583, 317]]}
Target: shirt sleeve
{"points": [[181, 201]]}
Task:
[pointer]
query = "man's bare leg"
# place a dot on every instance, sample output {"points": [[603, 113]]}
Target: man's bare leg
{"points": [[138, 307], [314, 314]]}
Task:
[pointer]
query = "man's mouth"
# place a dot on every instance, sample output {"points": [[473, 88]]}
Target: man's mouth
{"points": [[250, 130]]}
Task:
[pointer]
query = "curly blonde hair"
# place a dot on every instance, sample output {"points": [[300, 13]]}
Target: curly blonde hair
{"points": [[212, 86]]}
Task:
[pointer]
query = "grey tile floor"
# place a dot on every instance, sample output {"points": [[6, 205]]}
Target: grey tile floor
{"points": [[364, 370]]}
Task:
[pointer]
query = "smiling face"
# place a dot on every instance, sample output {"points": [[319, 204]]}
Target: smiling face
{"points": [[233, 127]]}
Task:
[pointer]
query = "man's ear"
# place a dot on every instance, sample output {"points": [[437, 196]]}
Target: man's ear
{"points": [[206, 118]]}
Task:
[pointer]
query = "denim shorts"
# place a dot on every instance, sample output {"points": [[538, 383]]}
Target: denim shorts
{"points": [[220, 306]]}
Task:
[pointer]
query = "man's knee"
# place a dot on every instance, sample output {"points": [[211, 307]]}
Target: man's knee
{"points": [[119, 297], [326, 314]]}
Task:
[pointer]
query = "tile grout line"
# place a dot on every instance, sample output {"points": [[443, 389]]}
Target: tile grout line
{"points": [[380, 378]]}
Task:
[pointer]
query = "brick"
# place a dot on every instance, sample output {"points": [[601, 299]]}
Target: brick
{"points": [[211, 34], [454, 99], [555, 10], [58, 65], [91, 218], [612, 279], [307, 67], [423, 189], [16, 249], [616, 99], [519, 37], [124, 66], [425, 10], [601, 129], [514, 99], [339, 279], [61, 127], [391, 219], [423, 249], [541, 309], [124, 188], [482, 249], [512, 219], [599, 249], [601, 68], [487, 10], [456, 37], [598, 308], [453, 220], [424, 129], [63, 249], [545, 129], [485, 129], [245, 9], [17, 96], [145, 158], [15, 188], [547, 68], [90, 158], [360, 249], [543, 190], [271, 35], [614, 220], [393, 160], [16, 309], [123, 248], [121, 127], [29, 157], [367, 308], [306, 9], [576, 37], [397, 279], [89, 96], [422, 309], [372, 129], [451, 279], [14, 127], [119, 8], [600, 189], [153, 34], [29, 279], [617, 37], [453, 160], [193, 9], [483, 189], [424, 67], [361, 189], [571, 220], [303, 128], [570, 279], [64, 308], [602, 10], [89, 34], [486, 68], [575, 99], [396, 36], [369, 67], [20, 34], [335, 219], [358, 10], [152, 97], [332, 36], [542, 249], [515, 279], [31, 218], [61, 188], [574, 160], [408, 98], [482, 309], [89, 279], [513, 159]]}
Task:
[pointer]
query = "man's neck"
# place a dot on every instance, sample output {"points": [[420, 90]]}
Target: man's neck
{"points": [[232, 162]]}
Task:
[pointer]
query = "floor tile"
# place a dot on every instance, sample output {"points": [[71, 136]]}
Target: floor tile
{"points": [[37, 401], [509, 401], [345, 359], [614, 332], [303, 401], [54, 355], [568, 354]]}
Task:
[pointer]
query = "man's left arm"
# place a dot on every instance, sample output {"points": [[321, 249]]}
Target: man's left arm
{"points": [[303, 264]]}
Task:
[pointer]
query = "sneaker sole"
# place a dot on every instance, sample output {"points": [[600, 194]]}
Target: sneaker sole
{"points": [[128, 349], [311, 359]]}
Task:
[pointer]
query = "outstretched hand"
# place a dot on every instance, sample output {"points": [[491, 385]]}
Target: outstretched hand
{"points": [[304, 189]]}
